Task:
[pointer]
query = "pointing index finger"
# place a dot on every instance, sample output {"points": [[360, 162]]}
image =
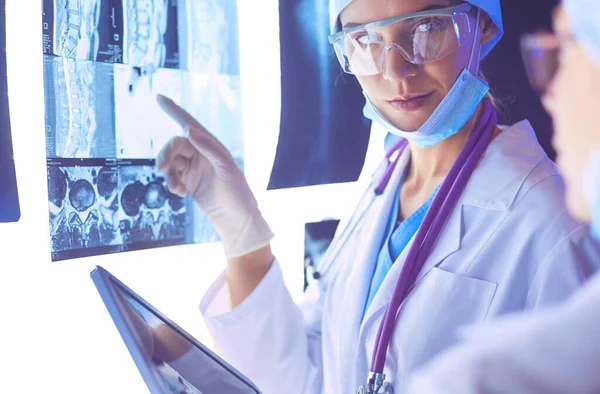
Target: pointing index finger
{"points": [[178, 114]]}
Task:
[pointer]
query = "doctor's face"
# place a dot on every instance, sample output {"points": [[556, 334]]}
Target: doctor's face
{"points": [[572, 100], [406, 94]]}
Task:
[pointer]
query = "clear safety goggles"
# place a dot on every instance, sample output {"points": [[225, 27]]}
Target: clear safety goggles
{"points": [[540, 52], [421, 38]]}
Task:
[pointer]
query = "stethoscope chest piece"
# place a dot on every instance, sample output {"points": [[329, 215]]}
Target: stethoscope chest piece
{"points": [[376, 385], [385, 389]]}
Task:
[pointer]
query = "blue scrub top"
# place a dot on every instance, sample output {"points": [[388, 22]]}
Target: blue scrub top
{"points": [[395, 240]]}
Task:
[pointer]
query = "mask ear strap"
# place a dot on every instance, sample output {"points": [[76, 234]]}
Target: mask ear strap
{"points": [[473, 66]]}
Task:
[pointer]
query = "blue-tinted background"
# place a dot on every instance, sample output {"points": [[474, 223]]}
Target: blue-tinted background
{"points": [[9, 199]]}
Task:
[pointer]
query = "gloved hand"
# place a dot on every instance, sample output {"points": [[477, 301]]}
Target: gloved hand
{"points": [[200, 165]]}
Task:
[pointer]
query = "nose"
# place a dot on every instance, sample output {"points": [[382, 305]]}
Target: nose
{"points": [[395, 66]]}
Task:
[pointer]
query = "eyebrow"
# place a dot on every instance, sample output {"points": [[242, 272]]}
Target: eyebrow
{"points": [[431, 7]]}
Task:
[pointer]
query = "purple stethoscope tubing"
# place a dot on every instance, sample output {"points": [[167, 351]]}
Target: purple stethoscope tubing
{"points": [[434, 220], [399, 148], [331, 254]]}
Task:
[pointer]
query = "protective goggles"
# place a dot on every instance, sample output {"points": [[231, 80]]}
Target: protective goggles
{"points": [[421, 38], [540, 53]]}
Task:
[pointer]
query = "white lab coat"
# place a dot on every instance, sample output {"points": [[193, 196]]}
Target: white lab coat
{"points": [[508, 245], [554, 352]]}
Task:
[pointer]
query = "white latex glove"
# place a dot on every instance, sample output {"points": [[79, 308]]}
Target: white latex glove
{"points": [[200, 165]]}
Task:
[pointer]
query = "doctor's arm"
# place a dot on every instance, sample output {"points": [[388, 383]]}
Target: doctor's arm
{"points": [[199, 165], [254, 322], [244, 273]]}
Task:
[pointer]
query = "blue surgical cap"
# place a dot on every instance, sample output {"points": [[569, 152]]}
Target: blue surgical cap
{"points": [[584, 19], [491, 7]]}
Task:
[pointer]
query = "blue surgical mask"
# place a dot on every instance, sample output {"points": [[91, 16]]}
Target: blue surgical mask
{"points": [[451, 114]]}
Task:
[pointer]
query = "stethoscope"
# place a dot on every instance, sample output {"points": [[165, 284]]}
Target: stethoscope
{"points": [[440, 209]]}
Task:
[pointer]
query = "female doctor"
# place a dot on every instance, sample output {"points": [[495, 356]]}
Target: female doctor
{"points": [[464, 219]]}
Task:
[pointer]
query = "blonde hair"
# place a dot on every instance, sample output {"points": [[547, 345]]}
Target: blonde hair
{"points": [[496, 102]]}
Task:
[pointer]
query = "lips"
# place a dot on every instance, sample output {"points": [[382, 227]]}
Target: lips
{"points": [[410, 102]]}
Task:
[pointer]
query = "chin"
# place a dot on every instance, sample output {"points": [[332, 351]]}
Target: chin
{"points": [[409, 121], [577, 207]]}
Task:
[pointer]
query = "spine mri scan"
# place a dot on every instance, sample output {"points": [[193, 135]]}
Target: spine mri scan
{"points": [[105, 61]]}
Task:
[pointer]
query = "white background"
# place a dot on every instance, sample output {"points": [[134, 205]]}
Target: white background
{"points": [[56, 335]]}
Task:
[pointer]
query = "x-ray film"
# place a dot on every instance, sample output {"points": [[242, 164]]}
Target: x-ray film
{"points": [[208, 36], [80, 103], [192, 35], [84, 29], [101, 206], [151, 33], [83, 204], [142, 128], [105, 63]]}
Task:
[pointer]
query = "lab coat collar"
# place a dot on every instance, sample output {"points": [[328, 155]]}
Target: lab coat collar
{"points": [[449, 242], [357, 281], [496, 181]]}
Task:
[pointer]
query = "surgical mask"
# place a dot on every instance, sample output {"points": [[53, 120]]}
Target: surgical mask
{"points": [[449, 117], [433, 35], [591, 190]]}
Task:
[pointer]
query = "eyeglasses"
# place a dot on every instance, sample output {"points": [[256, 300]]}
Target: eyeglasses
{"points": [[422, 37], [541, 55], [540, 52]]}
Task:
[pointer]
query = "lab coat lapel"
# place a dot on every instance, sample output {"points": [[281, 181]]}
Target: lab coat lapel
{"points": [[494, 192], [448, 242], [491, 187], [358, 280]]}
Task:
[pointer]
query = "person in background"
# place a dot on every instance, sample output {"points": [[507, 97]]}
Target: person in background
{"points": [[557, 350]]}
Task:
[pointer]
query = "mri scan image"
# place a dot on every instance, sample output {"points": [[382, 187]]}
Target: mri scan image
{"points": [[141, 127], [215, 100], [148, 212], [83, 205], [79, 99], [150, 39], [208, 36], [191, 35], [83, 29], [105, 206], [105, 62]]}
